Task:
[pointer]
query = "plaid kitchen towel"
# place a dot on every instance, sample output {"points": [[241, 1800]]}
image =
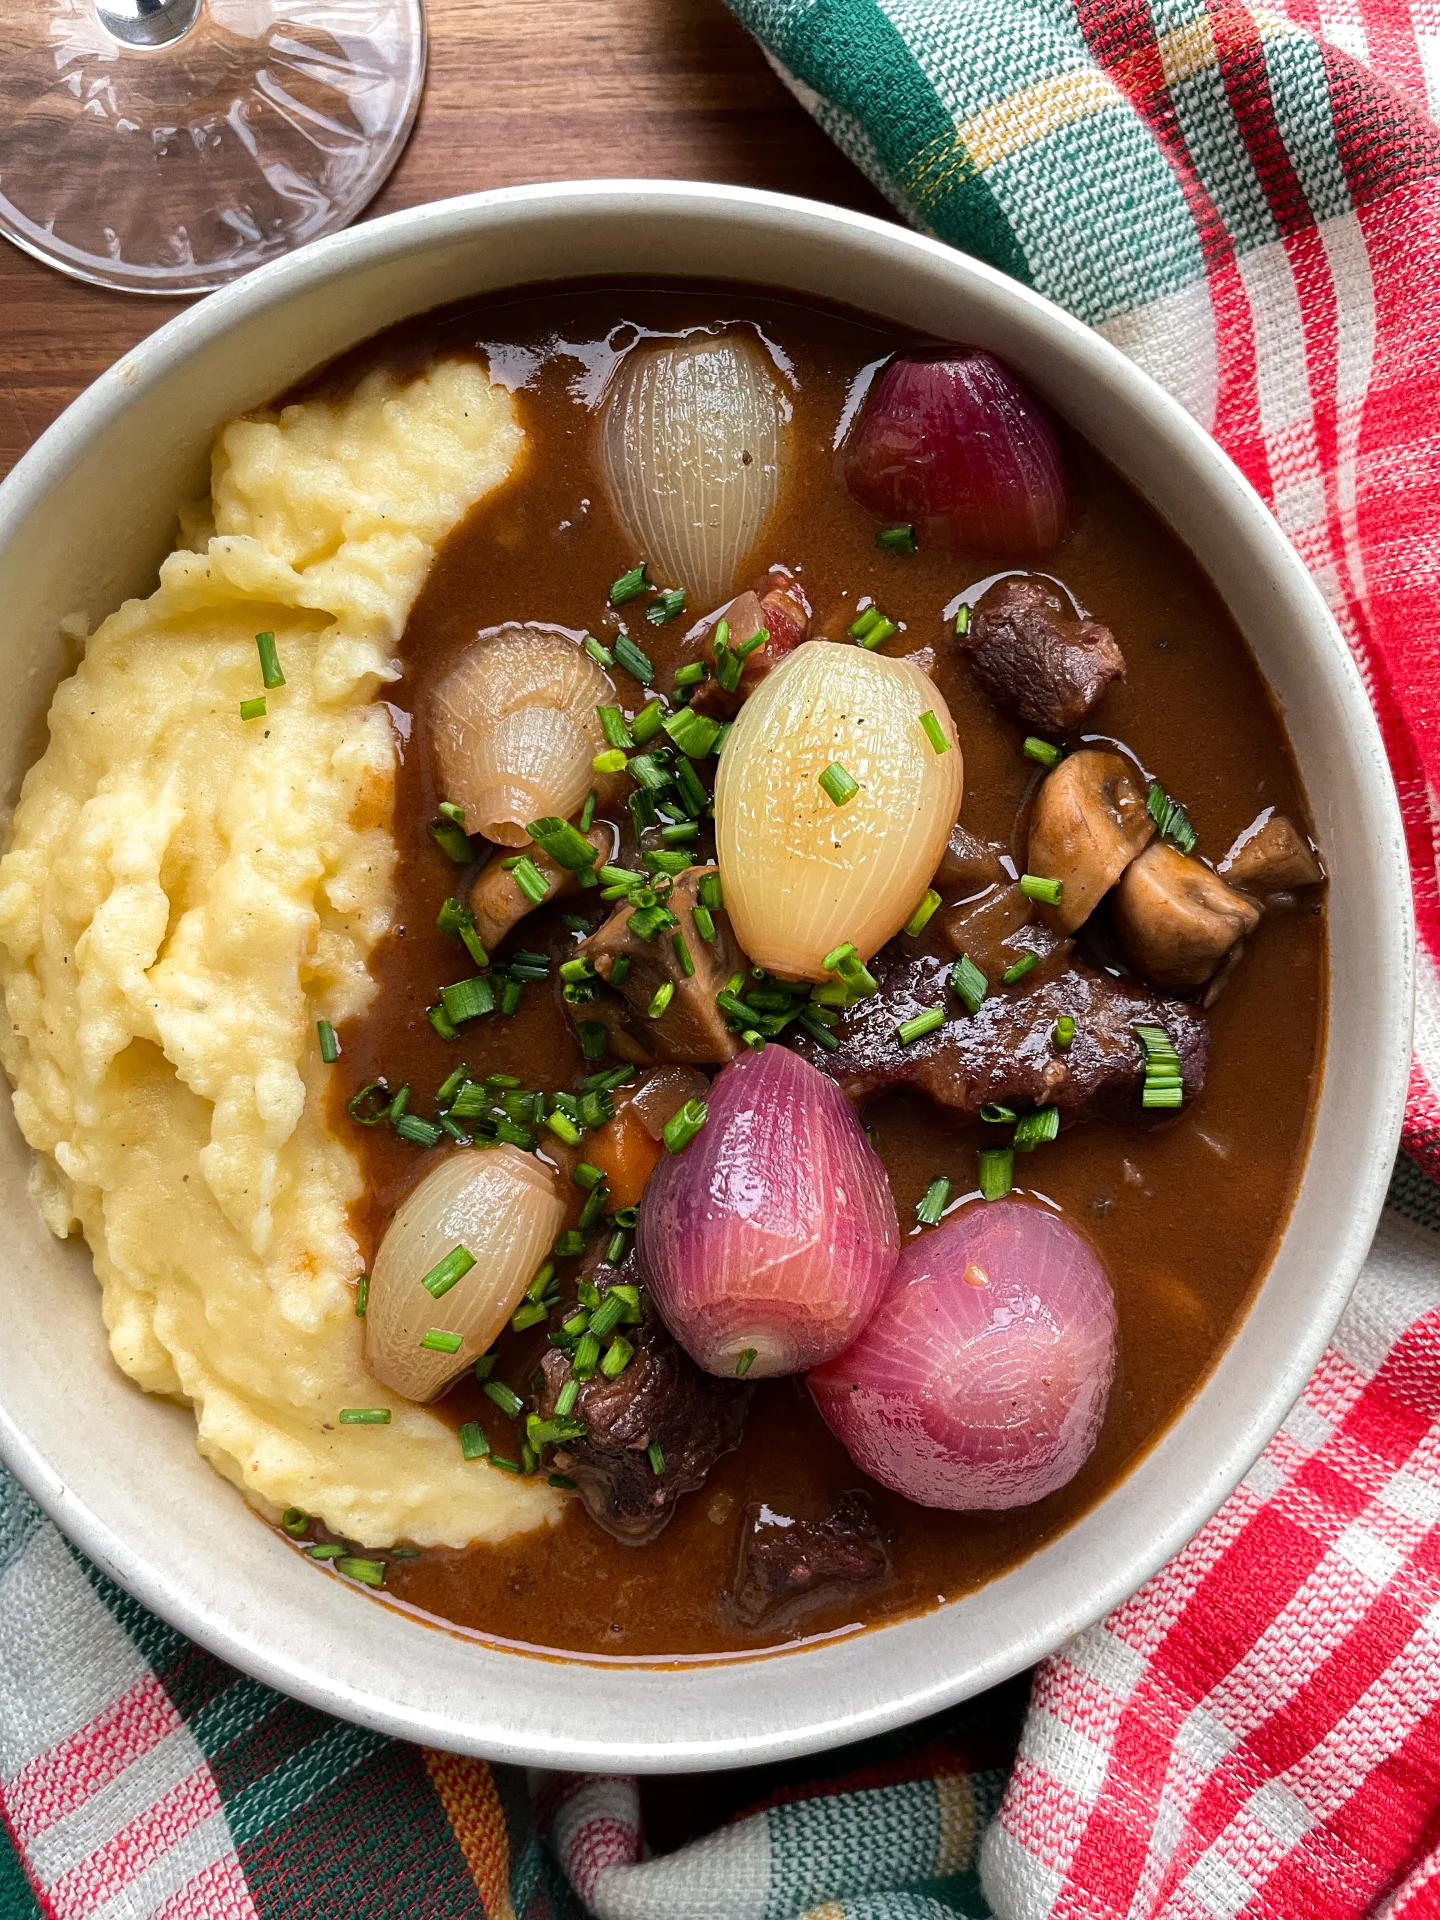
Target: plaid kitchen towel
{"points": [[1246, 201]]}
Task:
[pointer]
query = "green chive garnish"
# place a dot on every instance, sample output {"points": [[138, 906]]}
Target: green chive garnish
{"points": [[1048, 892], [682, 954], [473, 1444], [997, 1172], [329, 1045], [362, 1295], [530, 1314], [441, 1022], [506, 1398], [745, 1362], [586, 1357], [1171, 818], [1064, 1031], [566, 1398], [1040, 750], [656, 1457], [1022, 966], [682, 1127], [295, 1522], [962, 620], [448, 833], [934, 732], [647, 722], [484, 1367], [923, 914], [611, 761], [561, 1482], [691, 732], [932, 1207], [922, 1024], [665, 606], [897, 539], [467, 999], [709, 892], [612, 725], [597, 651], [370, 1573], [618, 1356], [628, 586], [636, 663], [437, 1340], [326, 1550], [364, 1416], [704, 923], [664, 994], [444, 1274], [420, 1133], [691, 674], [458, 923], [564, 1128], [269, 660], [565, 844], [253, 709], [528, 877], [996, 1114], [838, 784], [1164, 1083], [871, 627], [1036, 1128]]}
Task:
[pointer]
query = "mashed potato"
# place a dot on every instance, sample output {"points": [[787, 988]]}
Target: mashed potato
{"points": [[186, 892]]}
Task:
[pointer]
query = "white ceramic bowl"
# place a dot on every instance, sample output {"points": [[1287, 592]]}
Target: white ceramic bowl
{"points": [[84, 520]]}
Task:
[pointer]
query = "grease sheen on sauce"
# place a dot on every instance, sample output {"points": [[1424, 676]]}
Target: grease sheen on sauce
{"points": [[1185, 1217]]}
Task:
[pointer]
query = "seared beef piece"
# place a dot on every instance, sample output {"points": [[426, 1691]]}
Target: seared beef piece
{"points": [[1035, 659], [1000, 928], [968, 861], [661, 1396], [780, 1558], [1006, 1051], [1271, 856], [499, 904], [692, 1028], [779, 605]]}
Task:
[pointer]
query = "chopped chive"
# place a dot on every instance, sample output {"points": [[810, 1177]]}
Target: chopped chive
{"points": [[922, 1024], [1036, 1128], [269, 660], [370, 1573], [566, 1398], [1048, 892], [664, 994], [1041, 750], [656, 1456], [441, 1022], [529, 1314], [587, 1356], [587, 820], [253, 709], [458, 923], [628, 586], [630, 1299], [473, 1444], [932, 1207], [997, 1172], [598, 651], [996, 1114], [593, 1039], [692, 732], [607, 1316], [362, 1295], [587, 1176], [962, 620], [329, 1045], [563, 1128], [665, 606], [448, 833], [565, 844], [837, 956], [667, 862], [647, 722], [710, 892], [484, 1367], [467, 999], [923, 914], [444, 1274], [398, 1105], [506, 1398], [1025, 964], [612, 725], [437, 1340], [593, 1208], [622, 877], [505, 1466], [295, 1522], [618, 1356], [897, 539], [362, 1107], [1064, 1031], [682, 1127], [611, 761], [838, 784], [680, 834], [880, 630], [934, 732], [615, 1247], [364, 1416], [620, 966], [704, 923], [568, 1244], [528, 877], [811, 1024], [691, 674], [745, 1362], [420, 1133], [864, 623], [636, 663], [1164, 1080], [561, 1482], [540, 1285], [326, 1550], [1171, 818], [682, 954]]}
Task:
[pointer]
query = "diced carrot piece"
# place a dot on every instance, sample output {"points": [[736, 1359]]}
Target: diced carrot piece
{"points": [[626, 1155]]}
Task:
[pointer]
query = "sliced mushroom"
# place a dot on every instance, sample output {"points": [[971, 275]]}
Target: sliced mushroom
{"points": [[1089, 822], [1177, 918], [499, 904], [1271, 856]]}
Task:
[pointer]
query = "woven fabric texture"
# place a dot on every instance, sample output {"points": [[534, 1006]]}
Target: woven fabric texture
{"points": [[1245, 200]]}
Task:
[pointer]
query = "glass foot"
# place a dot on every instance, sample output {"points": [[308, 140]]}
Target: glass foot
{"points": [[168, 146]]}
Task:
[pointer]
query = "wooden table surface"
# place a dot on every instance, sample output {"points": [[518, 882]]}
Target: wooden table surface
{"points": [[518, 90]]}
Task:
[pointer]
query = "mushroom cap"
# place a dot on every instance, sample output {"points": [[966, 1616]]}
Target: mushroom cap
{"points": [[1088, 823], [1176, 917]]}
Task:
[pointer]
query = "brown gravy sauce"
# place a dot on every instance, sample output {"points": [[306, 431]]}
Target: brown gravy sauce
{"points": [[1185, 1216]]}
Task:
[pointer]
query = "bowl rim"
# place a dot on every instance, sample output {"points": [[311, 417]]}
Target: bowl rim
{"points": [[830, 1703]]}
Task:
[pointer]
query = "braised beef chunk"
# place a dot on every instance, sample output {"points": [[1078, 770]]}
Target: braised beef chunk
{"points": [[968, 861], [662, 1398], [781, 1558], [691, 1027], [1271, 856], [1035, 659], [1006, 1050], [778, 604]]}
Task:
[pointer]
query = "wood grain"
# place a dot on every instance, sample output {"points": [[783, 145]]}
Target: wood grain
{"points": [[518, 90]]}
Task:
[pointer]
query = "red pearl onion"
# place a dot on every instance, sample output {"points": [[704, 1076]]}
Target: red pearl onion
{"points": [[982, 1379], [775, 1229], [952, 442]]}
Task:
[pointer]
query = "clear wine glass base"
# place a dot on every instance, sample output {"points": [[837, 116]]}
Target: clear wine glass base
{"points": [[168, 146]]}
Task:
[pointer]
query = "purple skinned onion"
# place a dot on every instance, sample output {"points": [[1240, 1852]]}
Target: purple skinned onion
{"points": [[981, 1380], [773, 1234], [953, 443]]}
